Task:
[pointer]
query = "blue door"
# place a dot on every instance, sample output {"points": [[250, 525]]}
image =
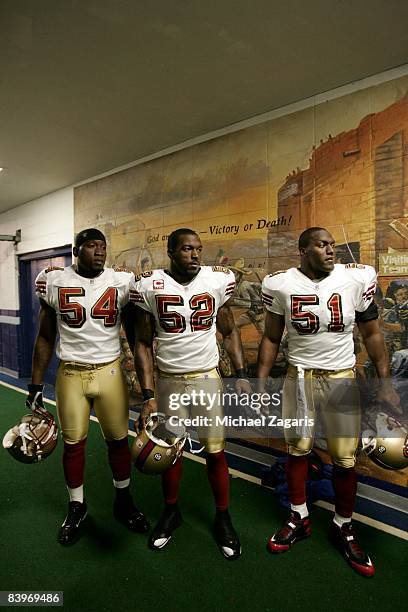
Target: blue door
{"points": [[30, 266]]}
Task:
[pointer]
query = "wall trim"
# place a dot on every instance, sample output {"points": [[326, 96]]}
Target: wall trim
{"points": [[12, 373], [9, 320]]}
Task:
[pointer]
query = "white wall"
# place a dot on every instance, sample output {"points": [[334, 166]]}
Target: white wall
{"points": [[45, 223]]}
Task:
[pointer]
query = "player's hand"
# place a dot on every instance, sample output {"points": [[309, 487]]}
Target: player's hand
{"points": [[242, 385], [34, 400], [148, 407], [388, 397]]}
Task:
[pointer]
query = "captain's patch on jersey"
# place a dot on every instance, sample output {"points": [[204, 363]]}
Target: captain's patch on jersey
{"points": [[158, 284]]}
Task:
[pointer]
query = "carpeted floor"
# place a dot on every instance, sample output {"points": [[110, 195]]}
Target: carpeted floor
{"points": [[110, 568]]}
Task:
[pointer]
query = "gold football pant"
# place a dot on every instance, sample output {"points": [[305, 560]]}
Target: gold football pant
{"points": [[199, 386], [332, 396], [80, 387]]}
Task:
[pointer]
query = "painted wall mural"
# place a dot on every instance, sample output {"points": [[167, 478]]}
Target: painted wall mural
{"points": [[342, 164]]}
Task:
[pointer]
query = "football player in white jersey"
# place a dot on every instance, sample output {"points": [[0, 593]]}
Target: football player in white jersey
{"points": [[319, 303], [83, 303], [185, 304]]}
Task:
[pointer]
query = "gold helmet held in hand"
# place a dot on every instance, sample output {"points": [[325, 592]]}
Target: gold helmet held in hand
{"points": [[388, 446], [33, 439], [158, 446]]}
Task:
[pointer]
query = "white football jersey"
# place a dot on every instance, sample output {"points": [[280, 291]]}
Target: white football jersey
{"points": [[185, 316], [320, 315], [88, 311]]}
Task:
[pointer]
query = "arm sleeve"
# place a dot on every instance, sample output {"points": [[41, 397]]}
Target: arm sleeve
{"points": [[41, 287], [368, 289], [227, 288], [367, 315], [138, 294], [270, 297]]}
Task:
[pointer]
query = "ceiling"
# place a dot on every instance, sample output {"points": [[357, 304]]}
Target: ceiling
{"points": [[90, 85]]}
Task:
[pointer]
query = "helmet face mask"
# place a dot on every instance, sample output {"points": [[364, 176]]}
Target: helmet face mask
{"points": [[33, 439], [388, 446], [158, 446]]}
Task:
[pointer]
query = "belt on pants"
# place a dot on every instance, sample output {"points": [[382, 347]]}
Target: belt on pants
{"points": [[86, 366]]}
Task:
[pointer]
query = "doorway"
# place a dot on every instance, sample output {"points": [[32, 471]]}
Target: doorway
{"points": [[29, 267]]}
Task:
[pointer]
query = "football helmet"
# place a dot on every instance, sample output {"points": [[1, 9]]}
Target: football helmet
{"points": [[158, 446], [33, 439], [388, 445]]}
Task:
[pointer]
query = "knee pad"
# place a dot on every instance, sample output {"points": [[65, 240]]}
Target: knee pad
{"points": [[344, 462]]}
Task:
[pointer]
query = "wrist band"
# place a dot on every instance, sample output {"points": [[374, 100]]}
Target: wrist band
{"points": [[147, 394], [35, 388], [241, 374]]}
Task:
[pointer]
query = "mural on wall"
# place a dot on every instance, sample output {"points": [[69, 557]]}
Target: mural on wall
{"points": [[341, 164]]}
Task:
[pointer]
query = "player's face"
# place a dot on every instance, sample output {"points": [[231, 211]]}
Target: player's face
{"points": [[320, 252], [92, 255], [186, 258]]}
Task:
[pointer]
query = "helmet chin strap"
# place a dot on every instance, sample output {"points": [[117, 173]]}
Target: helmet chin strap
{"points": [[192, 451], [24, 431]]}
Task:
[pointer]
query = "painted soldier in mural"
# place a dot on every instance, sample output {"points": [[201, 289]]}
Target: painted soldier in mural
{"points": [[248, 296]]}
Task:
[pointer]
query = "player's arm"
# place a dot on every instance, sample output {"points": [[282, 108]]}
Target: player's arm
{"points": [[44, 343], [232, 343], [127, 316], [43, 350], [269, 347], [374, 343], [143, 333]]}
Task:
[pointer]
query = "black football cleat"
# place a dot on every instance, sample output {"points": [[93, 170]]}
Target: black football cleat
{"points": [[293, 530], [70, 528], [168, 522], [345, 540], [125, 511], [226, 536]]}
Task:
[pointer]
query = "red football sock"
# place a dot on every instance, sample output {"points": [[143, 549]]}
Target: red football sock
{"points": [[119, 458], [296, 475], [217, 471], [171, 482], [345, 490], [73, 461]]}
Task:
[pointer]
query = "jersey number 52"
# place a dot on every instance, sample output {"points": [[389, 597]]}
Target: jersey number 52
{"points": [[172, 322]]}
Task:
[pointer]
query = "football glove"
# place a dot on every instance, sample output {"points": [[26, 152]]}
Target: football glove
{"points": [[34, 401]]}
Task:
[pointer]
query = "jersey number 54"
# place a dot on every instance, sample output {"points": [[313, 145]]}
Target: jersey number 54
{"points": [[74, 314]]}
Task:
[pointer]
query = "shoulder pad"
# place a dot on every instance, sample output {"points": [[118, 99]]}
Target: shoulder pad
{"points": [[143, 275], [52, 268], [121, 269], [220, 269], [354, 266], [277, 272]]}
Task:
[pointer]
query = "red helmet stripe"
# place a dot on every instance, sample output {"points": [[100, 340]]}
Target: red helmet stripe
{"points": [[142, 457]]}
